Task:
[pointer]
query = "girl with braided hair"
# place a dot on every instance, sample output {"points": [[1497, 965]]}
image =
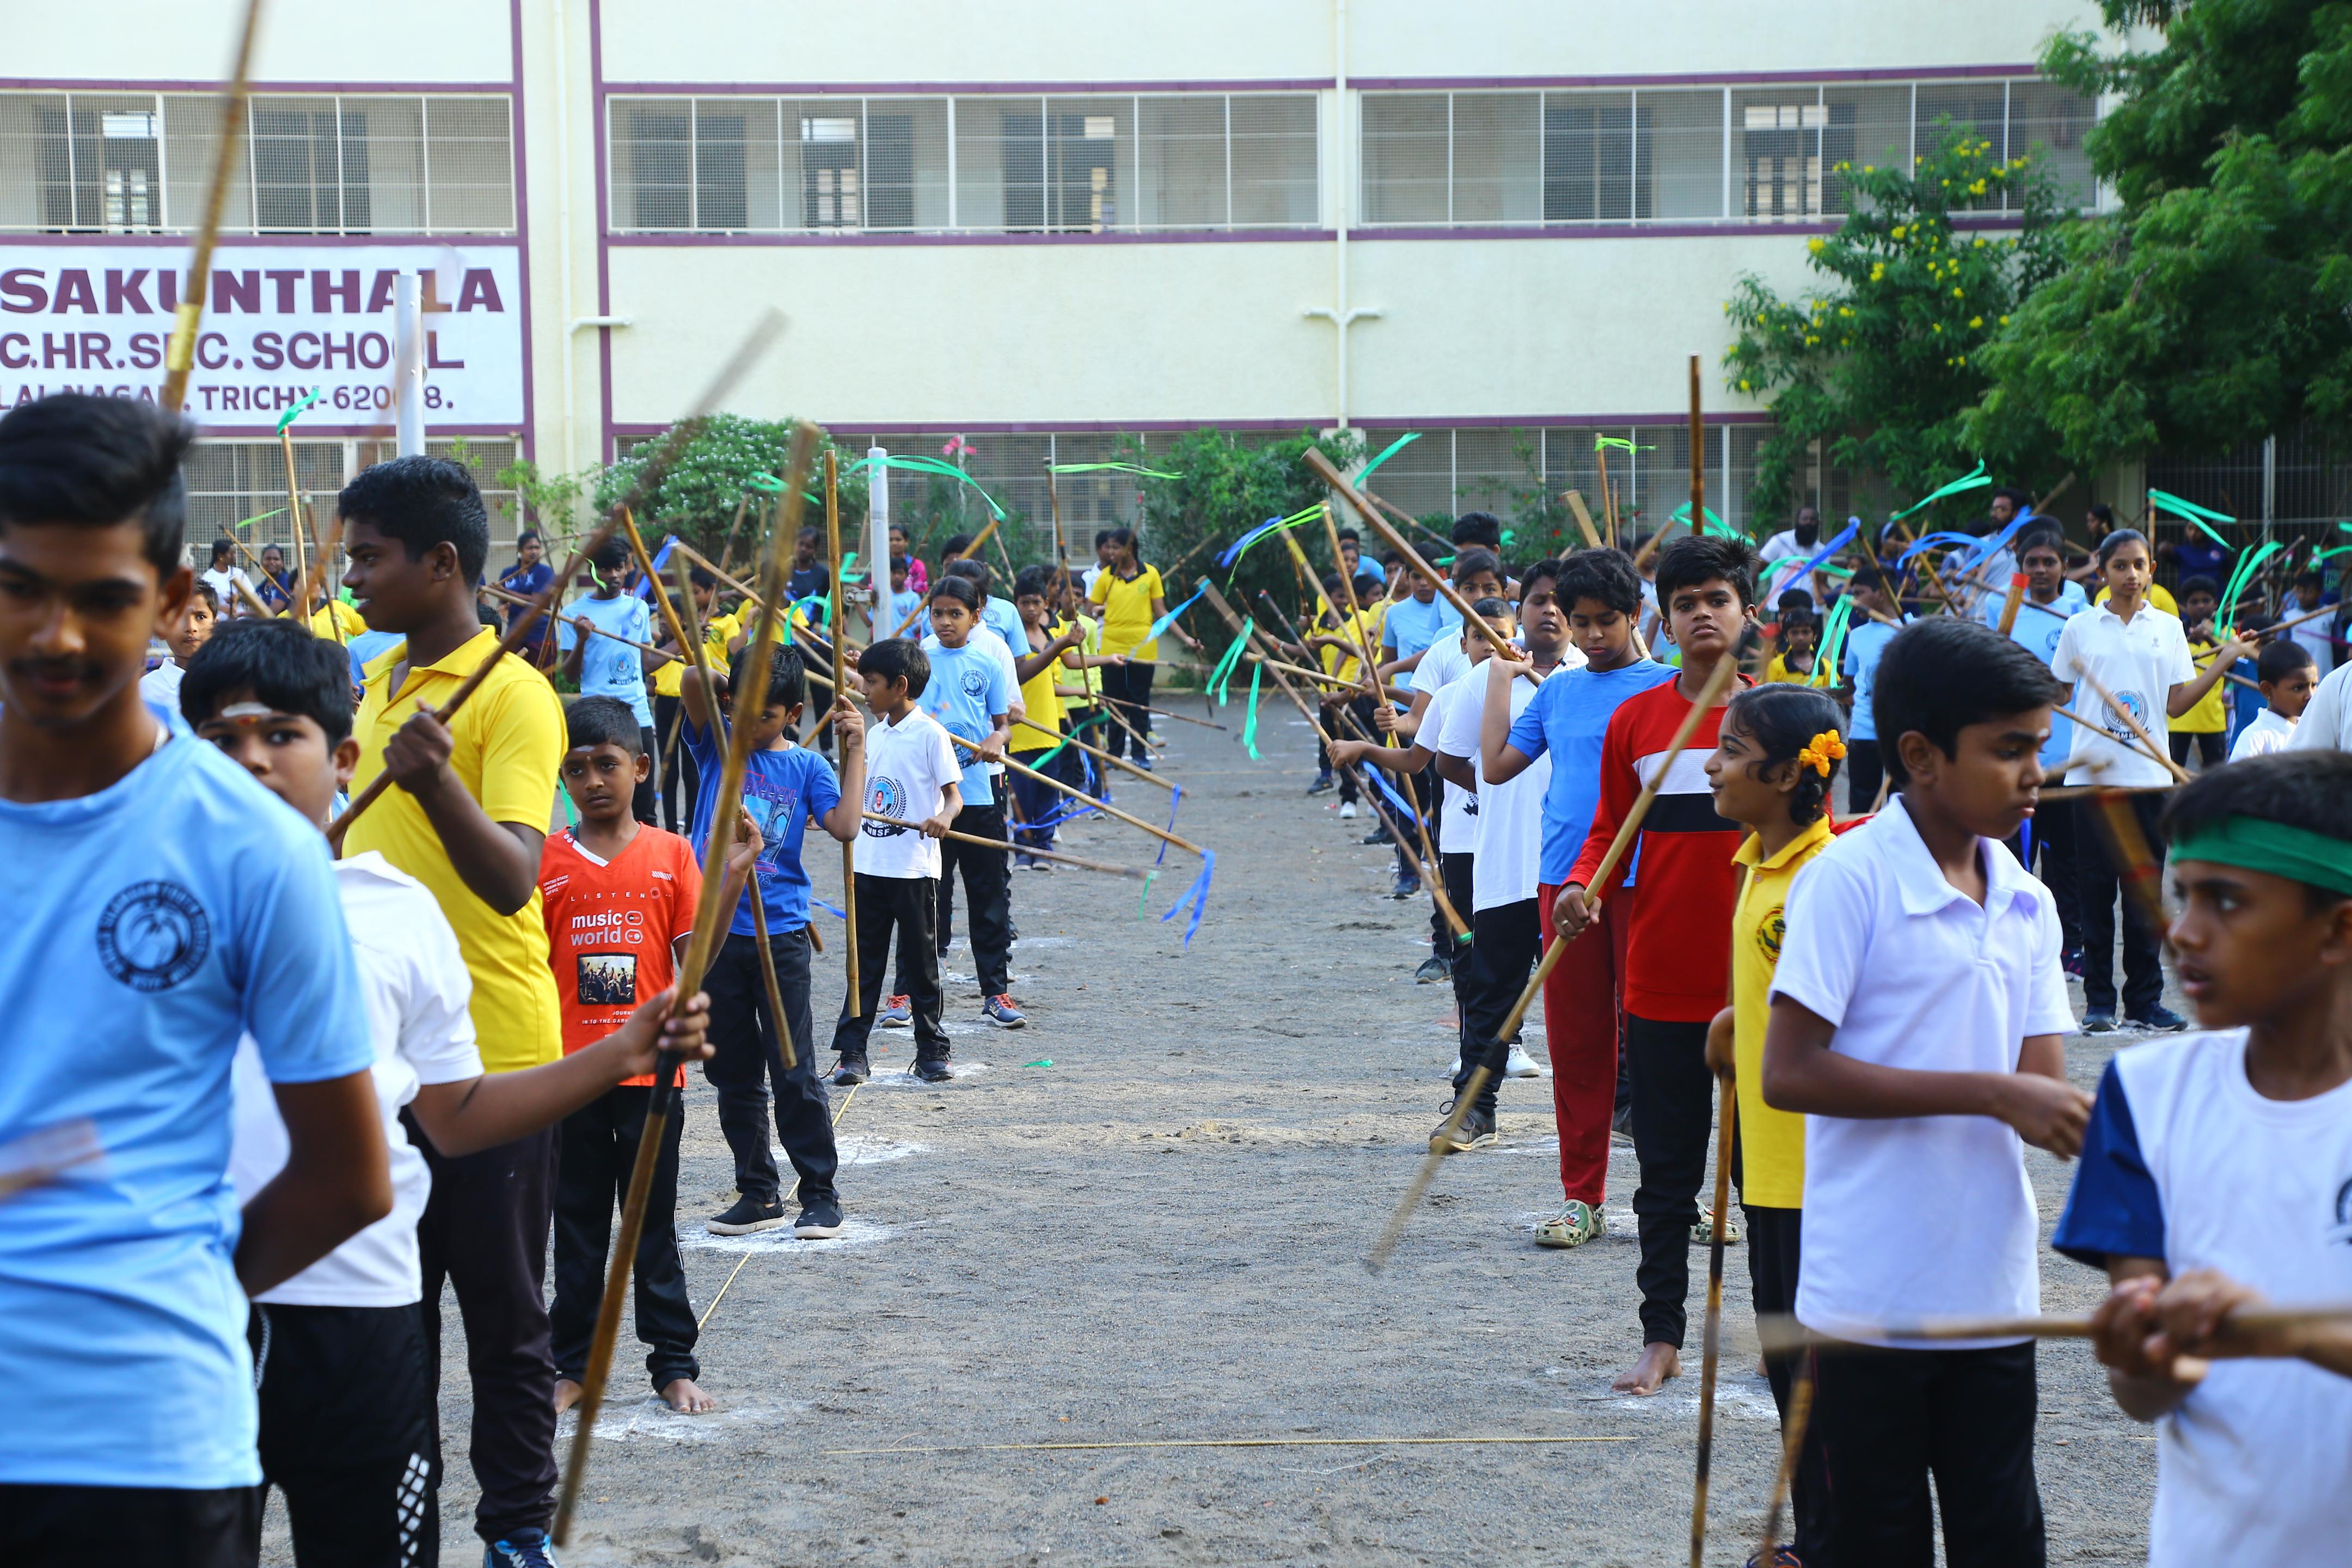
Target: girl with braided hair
{"points": [[1774, 760]]}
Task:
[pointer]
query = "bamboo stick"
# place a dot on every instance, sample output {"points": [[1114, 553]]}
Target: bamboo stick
{"points": [[1781, 1331], [2132, 722], [840, 630], [1583, 519], [179, 351], [1129, 871], [1322, 469], [699, 947], [1120, 762], [1711, 1340], [1102, 806]]}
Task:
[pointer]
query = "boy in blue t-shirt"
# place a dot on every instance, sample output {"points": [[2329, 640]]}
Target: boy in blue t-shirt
{"points": [[1569, 719], [1866, 641], [607, 666], [785, 787], [970, 694], [161, 904]]}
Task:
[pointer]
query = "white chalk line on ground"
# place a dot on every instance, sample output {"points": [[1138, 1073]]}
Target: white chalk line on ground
{"points": [[903, 1077], [855, 1233], [651, 1418]]}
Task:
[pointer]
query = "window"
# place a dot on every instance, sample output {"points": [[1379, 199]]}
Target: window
{"points": [[1523, 156], [982, 163], [88, 162], [233, 482]]}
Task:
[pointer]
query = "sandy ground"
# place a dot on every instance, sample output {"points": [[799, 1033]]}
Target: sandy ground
{"points": [[1142, 1221]]}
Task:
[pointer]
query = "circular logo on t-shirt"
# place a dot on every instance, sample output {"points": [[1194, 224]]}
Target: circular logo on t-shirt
{"points": [[974, 681], [154, 935], [2131, 702], [884, 796], [1769, 931]]}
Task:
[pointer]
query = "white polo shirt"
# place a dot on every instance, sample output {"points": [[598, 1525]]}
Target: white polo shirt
{"points": [[1510, 842], [2326, 724], [2139, 661], [1919, 1217]]}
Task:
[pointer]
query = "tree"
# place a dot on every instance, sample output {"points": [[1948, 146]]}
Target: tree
{"points": [[2212, 306], [1880, 363], [719, 465], [1220, 490]]}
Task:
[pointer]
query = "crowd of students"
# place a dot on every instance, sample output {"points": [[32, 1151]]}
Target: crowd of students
{"points": [[437, 1051], [1896, 988]]}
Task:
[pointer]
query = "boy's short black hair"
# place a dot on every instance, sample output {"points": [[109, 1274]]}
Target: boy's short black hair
{"points": [[1793, 599], [1478, 528], [2199, 584], [97, 461], [975, 571], [602, 721], [787, 676], [1943, 674], [281, 664], [1035, 582], [1367, 587], [702, 577], [2308, 578], [897, 658], [1697, 558], [1491, 608], [1605, 577], [2310, 789], [2280, 658], [611, 558], [1102, 537], [955, 585], [808, 534], [1473, 561], [1350, 536], [1550, 569], [204, 590], [956, 544], [423, 502]]}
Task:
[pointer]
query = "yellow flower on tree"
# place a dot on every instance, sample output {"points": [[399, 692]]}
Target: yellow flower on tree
{"points": [[1975, 322]]}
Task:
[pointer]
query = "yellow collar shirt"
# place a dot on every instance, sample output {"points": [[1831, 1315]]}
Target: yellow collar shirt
{"points": [[1772, 1142], [508, 748]]}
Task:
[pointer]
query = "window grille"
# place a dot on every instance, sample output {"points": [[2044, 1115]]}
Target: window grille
{"points": [[980, 163], [1524, 156], [231, 480], [91, 163]]}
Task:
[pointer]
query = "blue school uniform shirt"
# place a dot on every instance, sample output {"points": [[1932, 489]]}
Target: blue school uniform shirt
{"points": [[1569, 718], [968, 689], [999, 616], [1866, 645], [609, 669], [150, 925], [781, 790], [2039, 630], [904, 601], [1411, 627]]}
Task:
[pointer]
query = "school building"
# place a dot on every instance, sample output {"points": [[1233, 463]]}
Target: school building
{"points": [[1504, 224]]}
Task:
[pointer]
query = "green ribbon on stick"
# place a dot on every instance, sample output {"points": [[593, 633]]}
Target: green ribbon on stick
{"points": [[2164, 500], [294, 413], [1976, 480]]}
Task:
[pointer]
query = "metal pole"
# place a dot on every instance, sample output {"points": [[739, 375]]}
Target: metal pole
{"points": [[408, 362], [879, 622]]}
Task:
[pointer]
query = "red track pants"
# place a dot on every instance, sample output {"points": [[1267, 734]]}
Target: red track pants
{"points": [[1584, 1020]]}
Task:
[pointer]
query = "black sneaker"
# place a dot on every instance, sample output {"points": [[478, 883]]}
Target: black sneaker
{"points": [[748, 1215], [1477, 1132], [2160, 1020], [932, 1070], [852, 1070], [820, 1219], [523, 1548], [1322, 783], [2099, 1021], [1406, 888], [1432, 969], [1379, 835]]}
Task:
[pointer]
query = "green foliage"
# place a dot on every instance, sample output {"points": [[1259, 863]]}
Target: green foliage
{"points": [[2213, 306], [1222, 489], [549, 500], [1881, 362], [712, 472], [1536, 524]]}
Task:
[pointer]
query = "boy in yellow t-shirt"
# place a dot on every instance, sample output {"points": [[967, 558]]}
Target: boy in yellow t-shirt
{"points": [[1049, 651], [2206, 724], [467, 819], [1776, 752]]}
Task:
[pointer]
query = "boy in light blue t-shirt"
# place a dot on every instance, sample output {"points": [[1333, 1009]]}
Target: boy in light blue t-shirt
{"points": [[607, 666], [163, 904], [970, 694], [1865, 641]]}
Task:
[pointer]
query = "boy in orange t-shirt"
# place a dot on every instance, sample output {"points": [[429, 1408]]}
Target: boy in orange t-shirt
{"points": [[620, 899]]}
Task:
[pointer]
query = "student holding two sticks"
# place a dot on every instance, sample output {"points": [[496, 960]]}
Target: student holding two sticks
{"points": [[2216, 1172]]}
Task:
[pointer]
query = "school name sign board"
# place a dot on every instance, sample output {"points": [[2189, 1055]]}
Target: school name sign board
{"points": [[281, 323]]}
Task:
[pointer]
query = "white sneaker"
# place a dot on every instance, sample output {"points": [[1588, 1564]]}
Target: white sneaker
{"points": [[1521, 1065], [1347, 810], [1454, 1071]]}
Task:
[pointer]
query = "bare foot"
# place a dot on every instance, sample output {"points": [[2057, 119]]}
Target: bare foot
{"points": [[567, 1395], [1659, 1361], [682, 1394]]}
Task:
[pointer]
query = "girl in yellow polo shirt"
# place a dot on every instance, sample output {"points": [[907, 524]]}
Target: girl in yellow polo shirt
{"points": [[1775, 755], [1132, 601]]}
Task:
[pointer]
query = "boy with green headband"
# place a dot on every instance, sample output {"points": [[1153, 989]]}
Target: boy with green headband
{"points": [[2217, 1175]]}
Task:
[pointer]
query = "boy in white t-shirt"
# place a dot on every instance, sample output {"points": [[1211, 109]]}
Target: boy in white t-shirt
{"points": [[1918, 1020], [2140, 655], [2217, 1175], [189, 633], [343, 1364], [911, 777], [2286, 675]]}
